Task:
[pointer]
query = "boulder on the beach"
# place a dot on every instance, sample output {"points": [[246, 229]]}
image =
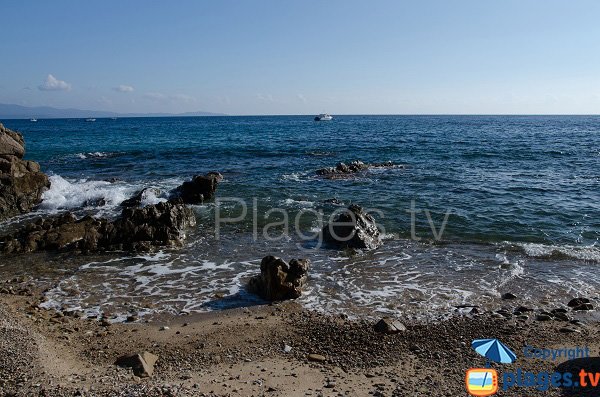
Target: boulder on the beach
{"points": [[21, 182], [353, 228], [140, 196], [389, 326], [199, 189], [343, 170], [142, 364], [279, 280], [578, 302], [138, 229]]}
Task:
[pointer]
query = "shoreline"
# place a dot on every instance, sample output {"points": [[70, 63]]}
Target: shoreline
{"points": [[243, 352]]}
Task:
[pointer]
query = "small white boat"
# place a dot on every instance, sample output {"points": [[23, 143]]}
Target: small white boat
{"points": [[33, 120], [323, 117], [90, 120]]}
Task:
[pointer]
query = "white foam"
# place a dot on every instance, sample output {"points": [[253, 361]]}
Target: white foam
{"points": [[64, 194], [587, 253], [95, 155]]}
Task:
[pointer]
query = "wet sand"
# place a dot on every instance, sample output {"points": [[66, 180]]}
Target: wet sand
{"points": [[242, 352]]}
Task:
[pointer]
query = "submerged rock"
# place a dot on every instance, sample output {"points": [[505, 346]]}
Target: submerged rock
{"points": [[138, 229], [353, 228], [279, 280], [199, 189], [21, 182], [343, 169]]}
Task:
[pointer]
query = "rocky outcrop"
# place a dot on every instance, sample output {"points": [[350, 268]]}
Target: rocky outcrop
{"points": [[353, 228], [138, 229], [21, 182], [279, 280], [199, 189], [342, 170], [139, 197]]}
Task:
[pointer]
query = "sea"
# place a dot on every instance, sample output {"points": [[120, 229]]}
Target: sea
{"points": [[476, 206]]}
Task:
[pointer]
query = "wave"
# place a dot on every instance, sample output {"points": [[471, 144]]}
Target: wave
{"points": [[64, 194], [543, 251], [96, 155]]}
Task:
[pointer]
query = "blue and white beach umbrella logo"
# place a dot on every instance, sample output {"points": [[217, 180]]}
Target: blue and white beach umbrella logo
{"points": [[494, 350]]}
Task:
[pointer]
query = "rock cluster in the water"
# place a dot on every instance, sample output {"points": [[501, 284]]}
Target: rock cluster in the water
{"points": [[21, 182], [138, 229], [279, 280], [342, 169], [199, 189], [353, 228]]}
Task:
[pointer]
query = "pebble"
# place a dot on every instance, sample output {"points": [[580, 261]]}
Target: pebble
{"points": [[316, 358]]}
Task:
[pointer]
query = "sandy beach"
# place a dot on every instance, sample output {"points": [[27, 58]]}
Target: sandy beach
{"points": [[268, 350]]}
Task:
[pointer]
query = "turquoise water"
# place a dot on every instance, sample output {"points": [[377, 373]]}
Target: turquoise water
{"points": [[522, 194]]}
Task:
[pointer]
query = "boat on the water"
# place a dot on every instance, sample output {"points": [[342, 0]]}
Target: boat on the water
{"points": [[323, 117], [33, 120], [90, 120]]}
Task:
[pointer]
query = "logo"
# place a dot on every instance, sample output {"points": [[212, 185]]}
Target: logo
{"points": [[482, 382]]}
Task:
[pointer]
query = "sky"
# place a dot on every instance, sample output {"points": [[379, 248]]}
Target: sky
{"points": [[303, 57]]}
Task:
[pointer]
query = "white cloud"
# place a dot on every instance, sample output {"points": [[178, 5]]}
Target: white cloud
{"points": [[124, 88], [54, 84], [301, 98]]}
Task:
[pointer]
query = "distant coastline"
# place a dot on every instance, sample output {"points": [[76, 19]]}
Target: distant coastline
{"points": [[12, 112]]}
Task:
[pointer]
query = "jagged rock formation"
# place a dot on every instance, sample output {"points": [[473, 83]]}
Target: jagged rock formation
{"points": [[279, 280], [353, 228], [21, 182]]}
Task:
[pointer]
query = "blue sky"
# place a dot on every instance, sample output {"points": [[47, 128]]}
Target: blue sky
{"points": [[303, 57]]}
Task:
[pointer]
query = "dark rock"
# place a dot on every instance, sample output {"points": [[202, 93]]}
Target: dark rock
{"points": [[97, 202], [199, 189], [279, 280], [353, 228], [584, 306], [389, 326], [142, 364], [577, 302], [356, 166], [138, 197], [567, 330], [508, 295], [543, 317], [522, 309], [21, 182], [138, 229]]}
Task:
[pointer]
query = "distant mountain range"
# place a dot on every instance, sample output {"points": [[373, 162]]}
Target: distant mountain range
{"points": [[45, 112]]}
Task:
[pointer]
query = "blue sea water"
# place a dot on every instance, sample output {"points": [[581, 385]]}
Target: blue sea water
{"points": [[522, 194]]}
